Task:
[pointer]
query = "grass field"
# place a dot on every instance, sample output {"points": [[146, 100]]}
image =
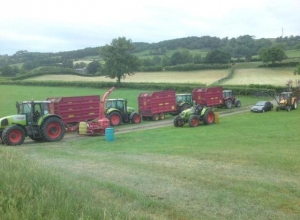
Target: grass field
{"points": [[262, 76], [245, 74], [245, 167]]}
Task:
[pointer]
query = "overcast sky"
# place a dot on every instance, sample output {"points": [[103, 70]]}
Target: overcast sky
{"points": [[65, 25]]}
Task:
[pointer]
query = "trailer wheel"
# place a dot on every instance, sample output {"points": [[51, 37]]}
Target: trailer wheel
{"points": [[155, 117], [13, 135], [228, 103], [53, 129], [114, 118], [209, 117], [136, 118], [161, 116], [193, 121]]}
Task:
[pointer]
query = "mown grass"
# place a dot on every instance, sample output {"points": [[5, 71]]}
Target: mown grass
{"points": [[245, 167]]}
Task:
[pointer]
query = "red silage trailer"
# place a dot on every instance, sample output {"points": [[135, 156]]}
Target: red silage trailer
{"points": [[75, 109], [209, 97], [155, 105]]}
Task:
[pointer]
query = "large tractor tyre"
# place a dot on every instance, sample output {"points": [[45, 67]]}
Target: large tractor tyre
{"points": [[115, 118], [53, 129], [209, 117], [238, 103], [193, 121], [13, 135], [37, 139], [228, 103], [136, 118]]}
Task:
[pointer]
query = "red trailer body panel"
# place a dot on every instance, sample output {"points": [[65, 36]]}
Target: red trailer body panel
{"points": [[75, 109], [208, 96], [157, 102]]}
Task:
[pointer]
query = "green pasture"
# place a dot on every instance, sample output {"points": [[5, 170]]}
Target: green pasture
{"points": [[245, 167]]}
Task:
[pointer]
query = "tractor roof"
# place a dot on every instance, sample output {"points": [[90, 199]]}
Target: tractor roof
{"points": [[35, 102]]}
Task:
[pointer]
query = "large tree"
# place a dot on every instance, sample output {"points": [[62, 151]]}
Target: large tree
{"points": [[119, 60], [272, 54]]}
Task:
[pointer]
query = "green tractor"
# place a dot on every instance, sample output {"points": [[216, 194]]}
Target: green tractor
{"points": [[184, 101], [117, 111], [33, 120], [194, 116]]}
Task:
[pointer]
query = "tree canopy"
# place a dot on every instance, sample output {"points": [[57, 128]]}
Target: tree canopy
{"points": [[119, 60]]}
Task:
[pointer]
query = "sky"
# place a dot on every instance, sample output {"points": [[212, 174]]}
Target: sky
{"points": [[65, 25]]}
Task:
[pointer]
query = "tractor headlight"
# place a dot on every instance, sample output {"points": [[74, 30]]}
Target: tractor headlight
{"points": [[4, 122]]}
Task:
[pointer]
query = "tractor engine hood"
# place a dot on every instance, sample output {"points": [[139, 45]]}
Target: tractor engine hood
{"points": [[12, 119]]}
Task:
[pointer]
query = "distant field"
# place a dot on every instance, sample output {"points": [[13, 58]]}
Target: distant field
{"points": [[241, 77], [205, 77], [262, 76]]}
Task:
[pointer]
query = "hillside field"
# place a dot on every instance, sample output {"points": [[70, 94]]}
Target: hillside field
{"points": [[241, 77]]}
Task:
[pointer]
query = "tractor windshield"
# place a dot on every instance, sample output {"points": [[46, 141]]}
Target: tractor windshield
{"points": [[25, 108], [184, 98], [227, 93]]}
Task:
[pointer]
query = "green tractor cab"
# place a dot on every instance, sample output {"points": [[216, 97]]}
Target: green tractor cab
{"points": [[33, 120], [117, 111], [184, 101], [194, 116]]}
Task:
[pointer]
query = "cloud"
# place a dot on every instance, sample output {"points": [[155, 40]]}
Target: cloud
{"points": [[52, 26]]}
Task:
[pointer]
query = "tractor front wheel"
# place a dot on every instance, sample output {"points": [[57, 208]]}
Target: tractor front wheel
{"points": [[209, 117], [53, 129], [114, 118], [238, 103], [193, 121], [177, 121], [13, 135]]}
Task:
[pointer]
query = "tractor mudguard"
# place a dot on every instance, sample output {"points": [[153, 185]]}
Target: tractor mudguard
{"points": [[44, 117]]}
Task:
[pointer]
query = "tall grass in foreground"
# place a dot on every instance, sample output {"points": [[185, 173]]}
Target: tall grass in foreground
{"points": [[30, 192]]}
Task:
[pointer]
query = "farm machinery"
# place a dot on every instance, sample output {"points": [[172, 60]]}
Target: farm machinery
{"points": [[117, 112], [289, 99], [84, 114], [34, 120], [194, 116], [229, 99]]}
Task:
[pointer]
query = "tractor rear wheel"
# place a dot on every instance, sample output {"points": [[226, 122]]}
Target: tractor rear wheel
{"points": [[136, 118], [114, 118], [228, 103], [209, 117], [193, 121], [13, 135], [53, 129]]}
